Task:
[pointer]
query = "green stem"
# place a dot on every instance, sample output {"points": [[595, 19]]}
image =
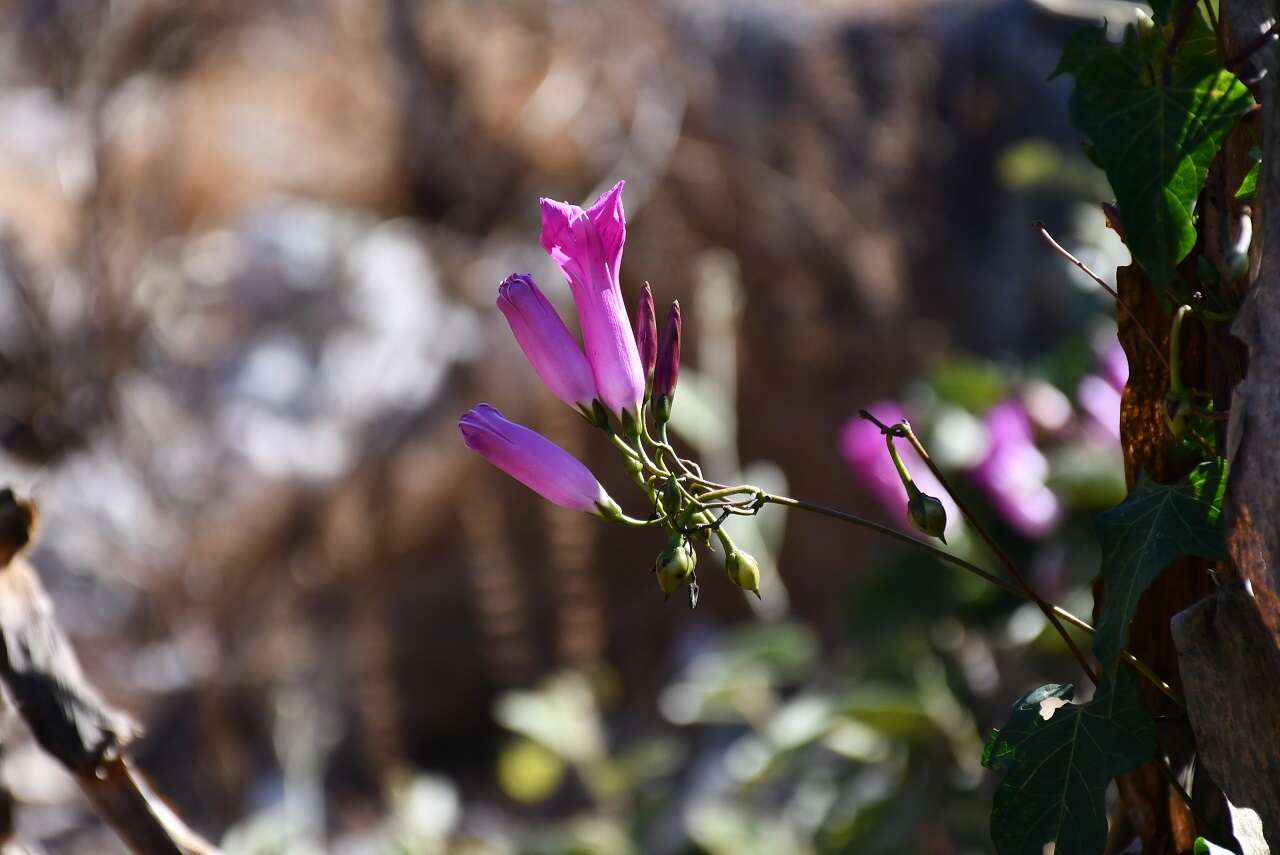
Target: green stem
{"points": [[1175, 352], [956, 560], [728, 491], [994, 546], [899, 465]]}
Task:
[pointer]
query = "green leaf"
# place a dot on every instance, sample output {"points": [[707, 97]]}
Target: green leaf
{"points": [[1204, 847], [1060, 757], [1249, 186], [1155, 142], [1142, 535]]}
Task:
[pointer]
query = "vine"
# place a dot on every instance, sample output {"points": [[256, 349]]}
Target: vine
{"points": [[1156, 108]]}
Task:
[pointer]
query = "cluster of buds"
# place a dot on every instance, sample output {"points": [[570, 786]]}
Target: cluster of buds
{"points": [[622, 380]]}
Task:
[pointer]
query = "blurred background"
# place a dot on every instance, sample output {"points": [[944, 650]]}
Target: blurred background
{"points": [[249, 253]]}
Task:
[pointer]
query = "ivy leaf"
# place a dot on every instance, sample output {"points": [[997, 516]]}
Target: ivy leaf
{"points": [[1142, 535], [1249, 186], [1060, 757], [1155, 141]]}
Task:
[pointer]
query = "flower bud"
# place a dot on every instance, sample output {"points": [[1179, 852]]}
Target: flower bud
{"points": [[670, 497], [647, 332], [667, 370], [743, 570], [675, 564], [927, 514], [534, 461]]}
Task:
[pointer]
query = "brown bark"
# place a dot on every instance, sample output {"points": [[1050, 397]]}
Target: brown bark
{"points": [[1229, 643], [1150, 808]]}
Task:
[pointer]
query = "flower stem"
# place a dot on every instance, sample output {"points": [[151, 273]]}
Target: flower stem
{"points": [[994, 546], [956, 560]]}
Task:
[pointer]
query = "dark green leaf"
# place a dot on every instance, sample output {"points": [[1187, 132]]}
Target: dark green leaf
{"points": [[1249, 186], [1155, 141], [1143, 534], [1060, 757]]}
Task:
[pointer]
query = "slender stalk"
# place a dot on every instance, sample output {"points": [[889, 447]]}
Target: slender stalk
{"points": [[728, 491], [969, 567], [1102, 283], [1000, 554]]}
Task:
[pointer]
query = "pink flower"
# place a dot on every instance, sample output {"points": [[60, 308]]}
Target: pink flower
{"points": [[647, 331], [1013, 472], [667, 372], [1099, 394], [1115, 366], [534, 461], [547, 343], [587, 244], [1100, 401]]}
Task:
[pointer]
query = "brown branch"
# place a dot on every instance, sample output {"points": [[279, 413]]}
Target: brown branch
{"points": [[65, 713]]}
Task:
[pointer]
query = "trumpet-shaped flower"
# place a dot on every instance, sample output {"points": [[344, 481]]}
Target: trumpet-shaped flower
{"points": [[546, 341], [535, 461], [587, 245]]}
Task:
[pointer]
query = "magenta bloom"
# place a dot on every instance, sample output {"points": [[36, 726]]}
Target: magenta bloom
{"points": [[1100, 394], [588, 247], [1115, 366], [546, 341], [534, 461], [1100, 401], [1013, 472], [667, 371], [647, 331]]}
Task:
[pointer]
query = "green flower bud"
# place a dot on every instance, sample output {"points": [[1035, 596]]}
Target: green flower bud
{"points": [[675, 564], [743, 570], [927, 514], [671, 499]]}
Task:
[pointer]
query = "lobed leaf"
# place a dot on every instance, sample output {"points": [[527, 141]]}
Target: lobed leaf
{"points": [[1154, 138], [1142, 535], [1059, 758]]}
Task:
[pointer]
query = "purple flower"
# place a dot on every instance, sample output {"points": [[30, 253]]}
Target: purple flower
{"points": [[1013, 472], [534, 461], [647, 331], [546, 341], [1115, 366], [667, 371], [588, 247], [1100, 401], [1099, 394], [863, 448]]}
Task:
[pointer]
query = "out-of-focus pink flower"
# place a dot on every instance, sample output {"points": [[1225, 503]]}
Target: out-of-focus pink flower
{"points": [[587, 245], [1099, 394], [863, 448], [534, 461], [1013, 473], [1101, 404], [546, 341], [647, 331], [1114, 366]]}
